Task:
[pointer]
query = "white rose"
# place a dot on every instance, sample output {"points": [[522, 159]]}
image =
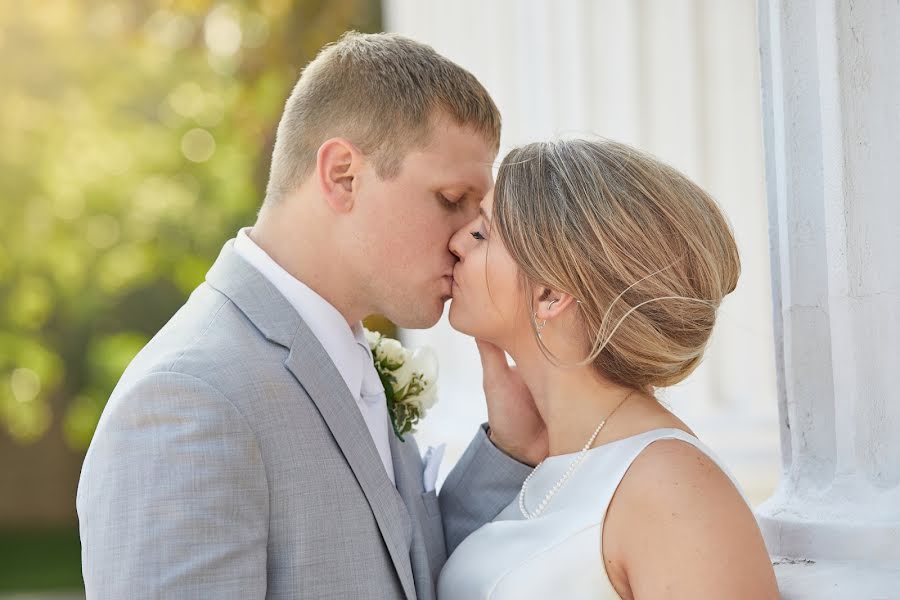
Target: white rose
{"points": [[414, 401], [421, 361], [425, 362], [428, 397], [404, 375], [390, 353], [372, 337]]}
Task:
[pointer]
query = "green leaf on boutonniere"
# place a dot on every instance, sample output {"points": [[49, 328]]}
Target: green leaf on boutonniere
{"points": [[409, 380], [387, 381]]}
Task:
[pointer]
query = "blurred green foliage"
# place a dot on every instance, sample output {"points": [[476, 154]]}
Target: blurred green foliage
{"points": [[40, 559], [135, 141]]}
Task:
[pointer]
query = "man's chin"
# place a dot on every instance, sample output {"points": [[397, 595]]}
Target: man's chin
{"points": [[422, 319]]}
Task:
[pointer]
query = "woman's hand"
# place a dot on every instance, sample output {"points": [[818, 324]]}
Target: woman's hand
{"points": [[516, 425]]}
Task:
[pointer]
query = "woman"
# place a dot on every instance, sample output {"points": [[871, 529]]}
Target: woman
{"points": [[599, 270]]}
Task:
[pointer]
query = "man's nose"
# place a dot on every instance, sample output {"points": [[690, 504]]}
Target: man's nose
{"points": [[456, 243]]}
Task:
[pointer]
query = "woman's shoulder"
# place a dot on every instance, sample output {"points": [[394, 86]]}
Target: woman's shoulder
{"points": [[674, 474], [674, 461], [676, 503]]}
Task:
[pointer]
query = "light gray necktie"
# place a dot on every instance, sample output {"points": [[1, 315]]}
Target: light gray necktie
{"points": [[373, 405]]}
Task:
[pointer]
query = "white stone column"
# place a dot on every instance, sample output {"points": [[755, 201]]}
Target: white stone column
{"points": [[831, 114]]}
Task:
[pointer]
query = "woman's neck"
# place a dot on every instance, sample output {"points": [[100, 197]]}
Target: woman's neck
{"points": [[572, 401]]}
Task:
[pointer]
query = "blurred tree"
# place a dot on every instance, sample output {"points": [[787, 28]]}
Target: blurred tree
{"points": [[135, 140]]}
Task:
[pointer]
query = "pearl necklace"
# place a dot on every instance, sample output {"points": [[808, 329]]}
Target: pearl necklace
{"points": [[572, 467]]}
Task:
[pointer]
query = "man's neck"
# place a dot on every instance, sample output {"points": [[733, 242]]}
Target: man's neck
{"points": [[301, 256]]}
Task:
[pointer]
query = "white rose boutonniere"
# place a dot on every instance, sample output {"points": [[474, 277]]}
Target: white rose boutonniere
{"points": [[409, 378]]}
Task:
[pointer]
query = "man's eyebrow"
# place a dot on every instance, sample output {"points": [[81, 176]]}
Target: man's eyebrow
{"points": [[468, 188]]}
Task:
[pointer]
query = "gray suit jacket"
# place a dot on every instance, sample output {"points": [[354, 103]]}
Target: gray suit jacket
{"points": [[231, 461]]}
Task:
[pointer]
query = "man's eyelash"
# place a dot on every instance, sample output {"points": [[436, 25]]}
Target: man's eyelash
{"points": [[447, 202]]}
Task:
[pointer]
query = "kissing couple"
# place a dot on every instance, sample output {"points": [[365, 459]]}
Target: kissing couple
{"points": [[247, 450]]}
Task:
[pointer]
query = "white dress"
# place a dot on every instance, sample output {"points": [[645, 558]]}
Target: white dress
{"points": [[558, 554]]}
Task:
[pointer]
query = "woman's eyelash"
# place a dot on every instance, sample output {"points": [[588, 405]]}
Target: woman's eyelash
{"points": [[477, 235]]}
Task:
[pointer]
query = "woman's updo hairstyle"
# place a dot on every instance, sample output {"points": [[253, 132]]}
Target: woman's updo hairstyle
{"points": [[645, 250]]}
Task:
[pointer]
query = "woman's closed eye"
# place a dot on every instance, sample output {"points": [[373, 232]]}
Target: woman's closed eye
{"points": [[477, 235]]}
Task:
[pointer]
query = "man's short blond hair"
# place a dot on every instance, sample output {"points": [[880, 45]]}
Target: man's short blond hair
{"points": [[380, 91]]}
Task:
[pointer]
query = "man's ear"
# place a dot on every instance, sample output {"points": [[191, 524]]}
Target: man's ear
{"points": [[338, 163]]}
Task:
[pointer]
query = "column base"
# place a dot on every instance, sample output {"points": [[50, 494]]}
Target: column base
{"points": [[836, 580], [851, 532]]}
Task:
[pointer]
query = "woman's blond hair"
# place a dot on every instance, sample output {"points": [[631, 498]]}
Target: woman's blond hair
{"points": [[646, 251]]}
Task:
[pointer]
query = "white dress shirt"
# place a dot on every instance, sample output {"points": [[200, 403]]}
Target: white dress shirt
{"points": [[345, 345]]}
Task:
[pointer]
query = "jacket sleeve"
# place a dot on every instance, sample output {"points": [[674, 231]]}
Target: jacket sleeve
{"points": [[483, 483]]}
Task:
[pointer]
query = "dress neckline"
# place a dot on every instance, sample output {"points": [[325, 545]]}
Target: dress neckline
{"points": [[546, 473], [596, 449]]}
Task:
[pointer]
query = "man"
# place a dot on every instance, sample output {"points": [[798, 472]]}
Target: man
{"points": [[246, 451]]}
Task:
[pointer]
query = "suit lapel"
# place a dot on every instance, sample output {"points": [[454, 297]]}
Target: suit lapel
{"points": [[324, 385], [408, 475], [273, 315]]}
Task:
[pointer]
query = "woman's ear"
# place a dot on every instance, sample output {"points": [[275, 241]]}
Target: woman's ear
{"points": [[337, 164], [550, 303]]}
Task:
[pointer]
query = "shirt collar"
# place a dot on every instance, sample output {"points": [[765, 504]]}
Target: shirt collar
{"points": [[345, 345]]}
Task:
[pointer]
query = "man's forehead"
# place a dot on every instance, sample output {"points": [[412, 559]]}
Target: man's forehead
{"points": [[478, 183], [465, 172], [460, 145]]}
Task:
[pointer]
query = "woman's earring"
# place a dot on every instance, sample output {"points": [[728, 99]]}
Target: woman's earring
{"points": [[540, 326]]}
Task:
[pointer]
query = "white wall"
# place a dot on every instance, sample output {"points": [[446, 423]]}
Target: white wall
{"points": [[678, 78]]}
